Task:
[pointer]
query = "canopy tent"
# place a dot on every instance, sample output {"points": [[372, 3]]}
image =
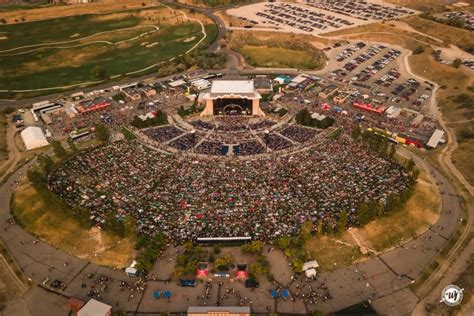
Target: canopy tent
{"points": [[310, 273], [166, 294], [310, 265], [33, 137], [274, 293], [156, 294], [284, 293]]}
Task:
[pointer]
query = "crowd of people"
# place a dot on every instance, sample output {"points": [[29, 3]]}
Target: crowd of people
{"points": [[251, 147], [275, 142], [299, 134], [188, 197], [186, 142], [163, 134], [210, 148]]}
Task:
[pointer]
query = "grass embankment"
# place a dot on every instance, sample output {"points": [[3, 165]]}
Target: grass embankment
{"points": [[449, 34], [211, 3], [3, 139], [274, 53], [422, 5], [16, 13], [385, 32], [421, 210], [277, 57], [64, 64], [63, 231], [454, 83]]}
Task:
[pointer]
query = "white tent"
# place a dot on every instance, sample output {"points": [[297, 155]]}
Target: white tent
{"points": [[310, 273], [95, 308], [33, 137], [310, 265]]}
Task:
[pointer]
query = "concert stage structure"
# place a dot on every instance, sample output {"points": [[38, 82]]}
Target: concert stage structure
{"points": [[232, 97]]}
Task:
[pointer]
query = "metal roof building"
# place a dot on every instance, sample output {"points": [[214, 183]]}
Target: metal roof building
{"points": [[435, 139]]}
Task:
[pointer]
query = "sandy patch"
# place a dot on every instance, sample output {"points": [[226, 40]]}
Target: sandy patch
{"points": [[75, 35], [189, 39], [3, 38], [151, 45]]}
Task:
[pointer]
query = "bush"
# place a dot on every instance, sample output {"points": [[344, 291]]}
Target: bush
{"points": [[457, 63], [253, 247], [418, 50]]}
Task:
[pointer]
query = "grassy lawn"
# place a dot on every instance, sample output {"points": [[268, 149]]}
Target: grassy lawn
{"points": [[128, 135], [420, 212], [61, 29], [71, 63], [327, 251], [63, 231], [71, 69], [278, 57]]}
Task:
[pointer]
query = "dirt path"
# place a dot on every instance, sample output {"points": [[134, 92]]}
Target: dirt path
{"points": [[455, 270], [359, 240], [13, 152], [349, 36], [445, 159]]}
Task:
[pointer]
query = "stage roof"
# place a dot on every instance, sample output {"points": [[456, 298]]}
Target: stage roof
{"points": [[233, 88]]}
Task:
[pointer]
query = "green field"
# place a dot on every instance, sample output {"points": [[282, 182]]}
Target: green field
{"points": [[278, 57], [63, 64], [61, 29]]}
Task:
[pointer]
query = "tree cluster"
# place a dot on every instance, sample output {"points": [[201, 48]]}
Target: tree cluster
{"points": [[260, 268], [254, 247], [186, 263], [153, 247], [158, 120], [304, 118]]}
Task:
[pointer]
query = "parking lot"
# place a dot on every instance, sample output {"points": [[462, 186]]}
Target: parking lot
{"points": [[378, 71], [315, 17]]}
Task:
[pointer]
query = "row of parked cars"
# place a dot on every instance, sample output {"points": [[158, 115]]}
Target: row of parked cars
{"points": [[300, 17], [349, 51], [378, 65], [362, 10], [387, 79]]}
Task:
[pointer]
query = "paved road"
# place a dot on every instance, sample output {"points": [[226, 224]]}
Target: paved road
{"points": [[383, 279]]}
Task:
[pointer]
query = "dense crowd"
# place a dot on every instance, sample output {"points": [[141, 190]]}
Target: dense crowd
{"points": [[185, 142], [298, 134], [275, 142], [163, 134], [209, 148], [202, 125], [188, 197], [252, 147]]}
